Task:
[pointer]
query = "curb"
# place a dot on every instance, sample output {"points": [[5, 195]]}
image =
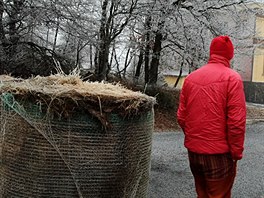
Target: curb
{"points": [[254, 121]]}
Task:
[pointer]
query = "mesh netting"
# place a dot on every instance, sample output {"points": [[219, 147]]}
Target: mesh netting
{"points": [[50, 156]]}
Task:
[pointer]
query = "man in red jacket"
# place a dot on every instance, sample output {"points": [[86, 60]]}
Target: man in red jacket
{"points": [[212, 115]]}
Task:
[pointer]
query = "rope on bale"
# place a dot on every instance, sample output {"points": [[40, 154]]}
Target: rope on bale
{"points": [[61, 137]]}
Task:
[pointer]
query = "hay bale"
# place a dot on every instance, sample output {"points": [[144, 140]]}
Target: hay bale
{"points": [[4, 79], [63, 137]]}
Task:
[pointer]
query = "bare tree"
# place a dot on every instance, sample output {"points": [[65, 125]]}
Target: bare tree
{"points": [[85, 33], [42, 23], [184, 28], [114, 18]]}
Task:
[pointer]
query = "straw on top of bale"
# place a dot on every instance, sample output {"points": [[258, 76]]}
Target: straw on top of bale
{"points": [[65, 94], [4, 78]]}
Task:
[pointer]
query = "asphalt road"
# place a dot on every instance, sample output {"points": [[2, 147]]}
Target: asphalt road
{"points": [[171, 176]]}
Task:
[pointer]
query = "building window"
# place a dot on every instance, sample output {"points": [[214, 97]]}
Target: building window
{"points": [[258, 40], [259, 30]]}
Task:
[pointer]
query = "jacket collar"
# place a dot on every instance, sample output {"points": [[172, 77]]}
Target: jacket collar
{"points": [[219, 59]]}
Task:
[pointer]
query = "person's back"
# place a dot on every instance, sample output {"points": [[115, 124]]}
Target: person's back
{"points": [[212, 109]]}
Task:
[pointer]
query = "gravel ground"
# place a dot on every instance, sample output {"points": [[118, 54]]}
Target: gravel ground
{"points": [[171, 176]]}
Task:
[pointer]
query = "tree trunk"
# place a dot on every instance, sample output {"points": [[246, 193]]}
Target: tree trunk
{"points": [[140, 62], [127, 62], [47, 37], [140, 58], [153, 72], [103, 61], [2, 32], [96, 60], [147, 49], [112, 54], [56, 34], [66, 44], [102, 66], [13, 20], [78, 54], [178, 79], [117, 63], [91, 56]]}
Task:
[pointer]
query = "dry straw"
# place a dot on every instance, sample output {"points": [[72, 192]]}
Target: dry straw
{"points": [[63, 95]]}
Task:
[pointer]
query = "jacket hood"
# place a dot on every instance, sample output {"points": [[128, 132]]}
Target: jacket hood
{"points": [[222, 46], [219, 59]]}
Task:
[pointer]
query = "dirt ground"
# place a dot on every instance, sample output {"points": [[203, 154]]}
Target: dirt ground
{"points": [[166, 120]]}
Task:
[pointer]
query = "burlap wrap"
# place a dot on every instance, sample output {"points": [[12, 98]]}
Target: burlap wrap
{"points": [[46, 156]]}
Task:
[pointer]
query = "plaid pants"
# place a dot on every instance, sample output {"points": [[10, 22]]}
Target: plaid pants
{"points": [[214, 175]]}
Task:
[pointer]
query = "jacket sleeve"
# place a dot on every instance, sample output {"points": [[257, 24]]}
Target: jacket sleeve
{"points": [[236, 118], [181, 113]]}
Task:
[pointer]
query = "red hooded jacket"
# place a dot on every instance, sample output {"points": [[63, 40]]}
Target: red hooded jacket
{"points": [[212, 109]]}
